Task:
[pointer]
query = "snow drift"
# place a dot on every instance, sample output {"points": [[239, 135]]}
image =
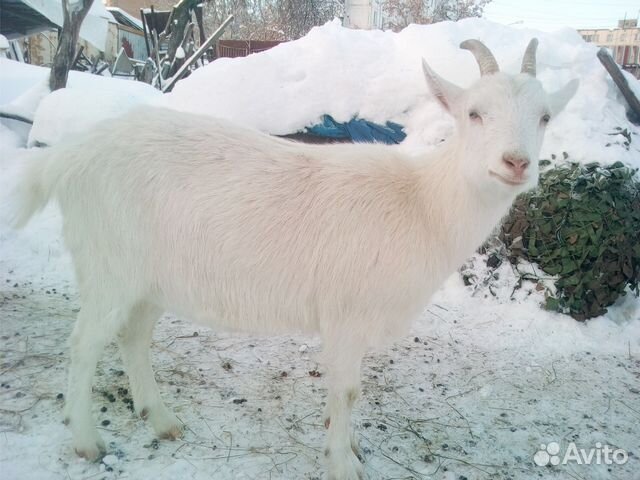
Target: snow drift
{"points": [[377, 76], [345, 73]]}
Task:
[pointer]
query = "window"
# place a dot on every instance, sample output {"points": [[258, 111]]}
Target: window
{"points": [[610, 37]]}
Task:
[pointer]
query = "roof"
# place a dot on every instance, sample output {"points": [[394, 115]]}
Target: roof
{"points": [[19, 18], [124, 18]]}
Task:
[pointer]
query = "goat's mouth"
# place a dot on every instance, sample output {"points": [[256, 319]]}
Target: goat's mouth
{"points": [[508, 181]]}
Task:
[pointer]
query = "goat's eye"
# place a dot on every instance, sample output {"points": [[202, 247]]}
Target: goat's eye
{"points": [[545, 118], [473, 115]]}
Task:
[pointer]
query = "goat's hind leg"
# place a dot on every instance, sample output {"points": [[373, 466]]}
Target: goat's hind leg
{"points": [[95, 326], [344, 360], [134, 340]]}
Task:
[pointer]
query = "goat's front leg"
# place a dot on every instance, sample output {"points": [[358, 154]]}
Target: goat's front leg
{"points": [[134, 340], [344, 390]]}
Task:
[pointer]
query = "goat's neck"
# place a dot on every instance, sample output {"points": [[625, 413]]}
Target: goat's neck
{"points": [[462, 215]]}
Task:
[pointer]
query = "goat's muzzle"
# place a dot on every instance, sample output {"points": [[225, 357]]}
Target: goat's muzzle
{"points": [[515, 164]]}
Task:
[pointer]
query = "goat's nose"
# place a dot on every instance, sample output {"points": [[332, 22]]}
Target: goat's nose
{"points": [[515, 162]]}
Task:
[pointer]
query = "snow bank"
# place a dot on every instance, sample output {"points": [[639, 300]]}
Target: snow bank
{"points": [[377, 76], [98, 101], [345, 73], [88, 100], [16, 78]]}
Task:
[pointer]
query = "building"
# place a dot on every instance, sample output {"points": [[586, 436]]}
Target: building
{"points": [[32, 30], [133, 7], [623, 42], [364, 14], [130, 34], [31, 27]]}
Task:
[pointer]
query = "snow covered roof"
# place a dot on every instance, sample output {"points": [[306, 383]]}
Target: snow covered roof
{"points": [[43, 14], [125, 18], [20, 20]]}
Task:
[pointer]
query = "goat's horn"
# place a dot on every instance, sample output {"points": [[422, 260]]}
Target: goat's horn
{"points": [[484, 57], [529, 60]]}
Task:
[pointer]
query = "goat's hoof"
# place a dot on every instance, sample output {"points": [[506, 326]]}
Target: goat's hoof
{"points": [[344, 465], [92, 452], [173, 433], [164, 423]]}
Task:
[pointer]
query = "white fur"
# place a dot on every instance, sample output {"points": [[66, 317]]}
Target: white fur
{"points": [[167, 211]]}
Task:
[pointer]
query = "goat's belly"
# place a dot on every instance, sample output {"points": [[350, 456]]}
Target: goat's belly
{"points": [[272, 294], [236, 320], [245, 308]]}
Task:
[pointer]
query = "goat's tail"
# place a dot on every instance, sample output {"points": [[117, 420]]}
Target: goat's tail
{"points": [[34, 188]]}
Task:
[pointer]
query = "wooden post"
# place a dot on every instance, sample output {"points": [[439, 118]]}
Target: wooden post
{"points": [[153, 25], [157, 42], [621, 82], [176, 62], [177, 29], [76, 57], [66, 51], [144, 30], [181, 15], [200, 23]]}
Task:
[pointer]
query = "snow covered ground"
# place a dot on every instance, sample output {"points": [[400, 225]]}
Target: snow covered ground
{"points": [[472, 393]]}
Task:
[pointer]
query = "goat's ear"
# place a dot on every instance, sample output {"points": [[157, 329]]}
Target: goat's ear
{"points": [[446, 92], [558, 100]]}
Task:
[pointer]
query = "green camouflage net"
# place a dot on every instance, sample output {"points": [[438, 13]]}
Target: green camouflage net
{"points": [[581, 224]]}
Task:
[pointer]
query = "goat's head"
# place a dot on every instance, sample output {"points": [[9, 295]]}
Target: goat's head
{"points": [[501, 119]]}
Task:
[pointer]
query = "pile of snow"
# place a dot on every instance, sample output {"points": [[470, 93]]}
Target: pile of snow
{"points": [[101, 100], [377, 76], [64, 113], [347, 73]]}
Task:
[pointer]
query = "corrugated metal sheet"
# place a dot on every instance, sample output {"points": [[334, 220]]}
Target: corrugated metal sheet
{"points": [[133, 44]]}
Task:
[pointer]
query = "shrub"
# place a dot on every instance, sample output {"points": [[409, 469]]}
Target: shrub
{"points": [[581, 224]]}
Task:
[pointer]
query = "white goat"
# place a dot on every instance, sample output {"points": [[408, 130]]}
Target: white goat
{"points": [[240, 230]]}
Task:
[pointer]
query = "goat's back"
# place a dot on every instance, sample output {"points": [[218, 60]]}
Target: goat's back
{"points": [[240, 229]]}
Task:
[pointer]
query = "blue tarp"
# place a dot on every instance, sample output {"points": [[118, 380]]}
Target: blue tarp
{"points": [[358, 130]]}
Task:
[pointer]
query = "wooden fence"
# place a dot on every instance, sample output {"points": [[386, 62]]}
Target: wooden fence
{"points": [[242, 48]]}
